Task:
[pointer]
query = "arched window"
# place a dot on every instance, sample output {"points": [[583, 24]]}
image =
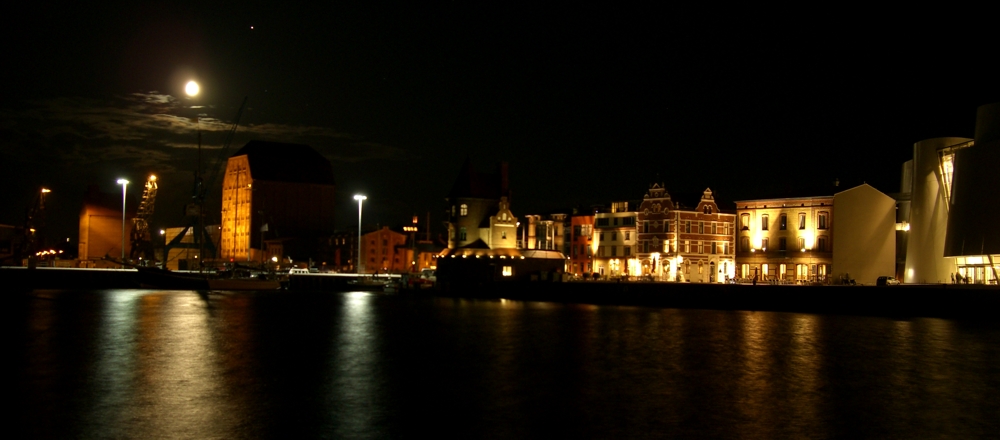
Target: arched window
{"points": [[463, 210]]}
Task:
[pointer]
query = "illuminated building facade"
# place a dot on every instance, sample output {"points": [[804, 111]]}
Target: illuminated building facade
{"points": [[386, 251], [581, 250], [704, 250], [785, 239], [101, 226], [482, 236], [276, 191], [547, 232], [655, 235], [479, 210], [615, 242], [951, 227]]}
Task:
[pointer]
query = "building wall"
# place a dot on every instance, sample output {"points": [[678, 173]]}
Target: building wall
{"points": [[808, 252], [866, 234], [925, 260], [101, 232], [384, 251], [476, 210], [615, 242], [502, 233], [655, 236], [975, 209], [581, 248], [300, 210]]}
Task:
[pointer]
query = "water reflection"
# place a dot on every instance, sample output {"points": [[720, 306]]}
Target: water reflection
{"points": [[176, 364]]}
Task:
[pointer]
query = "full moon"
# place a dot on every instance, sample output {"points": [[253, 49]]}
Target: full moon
{"points": [[191, 88]]}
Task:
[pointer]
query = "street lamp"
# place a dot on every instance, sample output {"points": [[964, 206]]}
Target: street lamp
{"points": [[124, 184], [360, 198]]}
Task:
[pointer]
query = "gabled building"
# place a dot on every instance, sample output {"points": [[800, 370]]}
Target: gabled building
{"points": [[581, 243], [284, 191], [685, 244]]}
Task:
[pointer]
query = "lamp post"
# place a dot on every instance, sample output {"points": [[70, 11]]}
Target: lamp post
{"points": [[360, 198], [124, 184]]}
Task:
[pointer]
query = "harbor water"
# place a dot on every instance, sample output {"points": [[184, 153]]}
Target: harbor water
{"points": [[186, 364]]}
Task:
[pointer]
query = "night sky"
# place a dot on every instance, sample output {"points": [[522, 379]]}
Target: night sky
{"points": [[588, 104]]}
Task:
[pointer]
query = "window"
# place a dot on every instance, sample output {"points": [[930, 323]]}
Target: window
{"points": [[614, 251], [628, 251], [744, 244], [715, 247], [614, 236], [821, 243], [461, 234], [577, 230], [628, 221], [645, 247], [763, 222], [687, 227], [701, 227], [463, 210], [763, 243], [802, 243], [701, 247], [782, 244], [602, 221], [645, 226], [602, 236], [503, 235], [715, 228], [508, 271], [600, 251], [725, 248], [802, 220], [627, 235], [822, 220], [745, 221], [783, 225], [616, 221]]}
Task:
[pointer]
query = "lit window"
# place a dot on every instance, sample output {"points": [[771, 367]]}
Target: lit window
{"points": [[802, 243], [464, 210], [802, 220], [745, 221], [508, 271], [701, 227], [763, 243], [822, 220], [503, 235], [763, 222]]}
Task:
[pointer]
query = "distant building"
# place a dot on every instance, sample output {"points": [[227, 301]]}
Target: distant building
{"points": [[792, 239], [616, 239], [385, 251], [547, 232], [685, 244], [581, 249], [101, 227], [285, 192], [785, 239], [482, 235], [948, 218]]}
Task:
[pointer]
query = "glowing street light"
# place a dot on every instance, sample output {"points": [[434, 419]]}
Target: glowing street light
{"points": [[124, 184], [360, 198]]}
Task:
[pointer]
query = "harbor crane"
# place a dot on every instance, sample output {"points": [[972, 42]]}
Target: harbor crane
{"points": [[141, 239]]}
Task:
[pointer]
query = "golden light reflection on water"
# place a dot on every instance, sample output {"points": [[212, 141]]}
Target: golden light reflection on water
{"points": [[354, 361], [179, 385]]}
